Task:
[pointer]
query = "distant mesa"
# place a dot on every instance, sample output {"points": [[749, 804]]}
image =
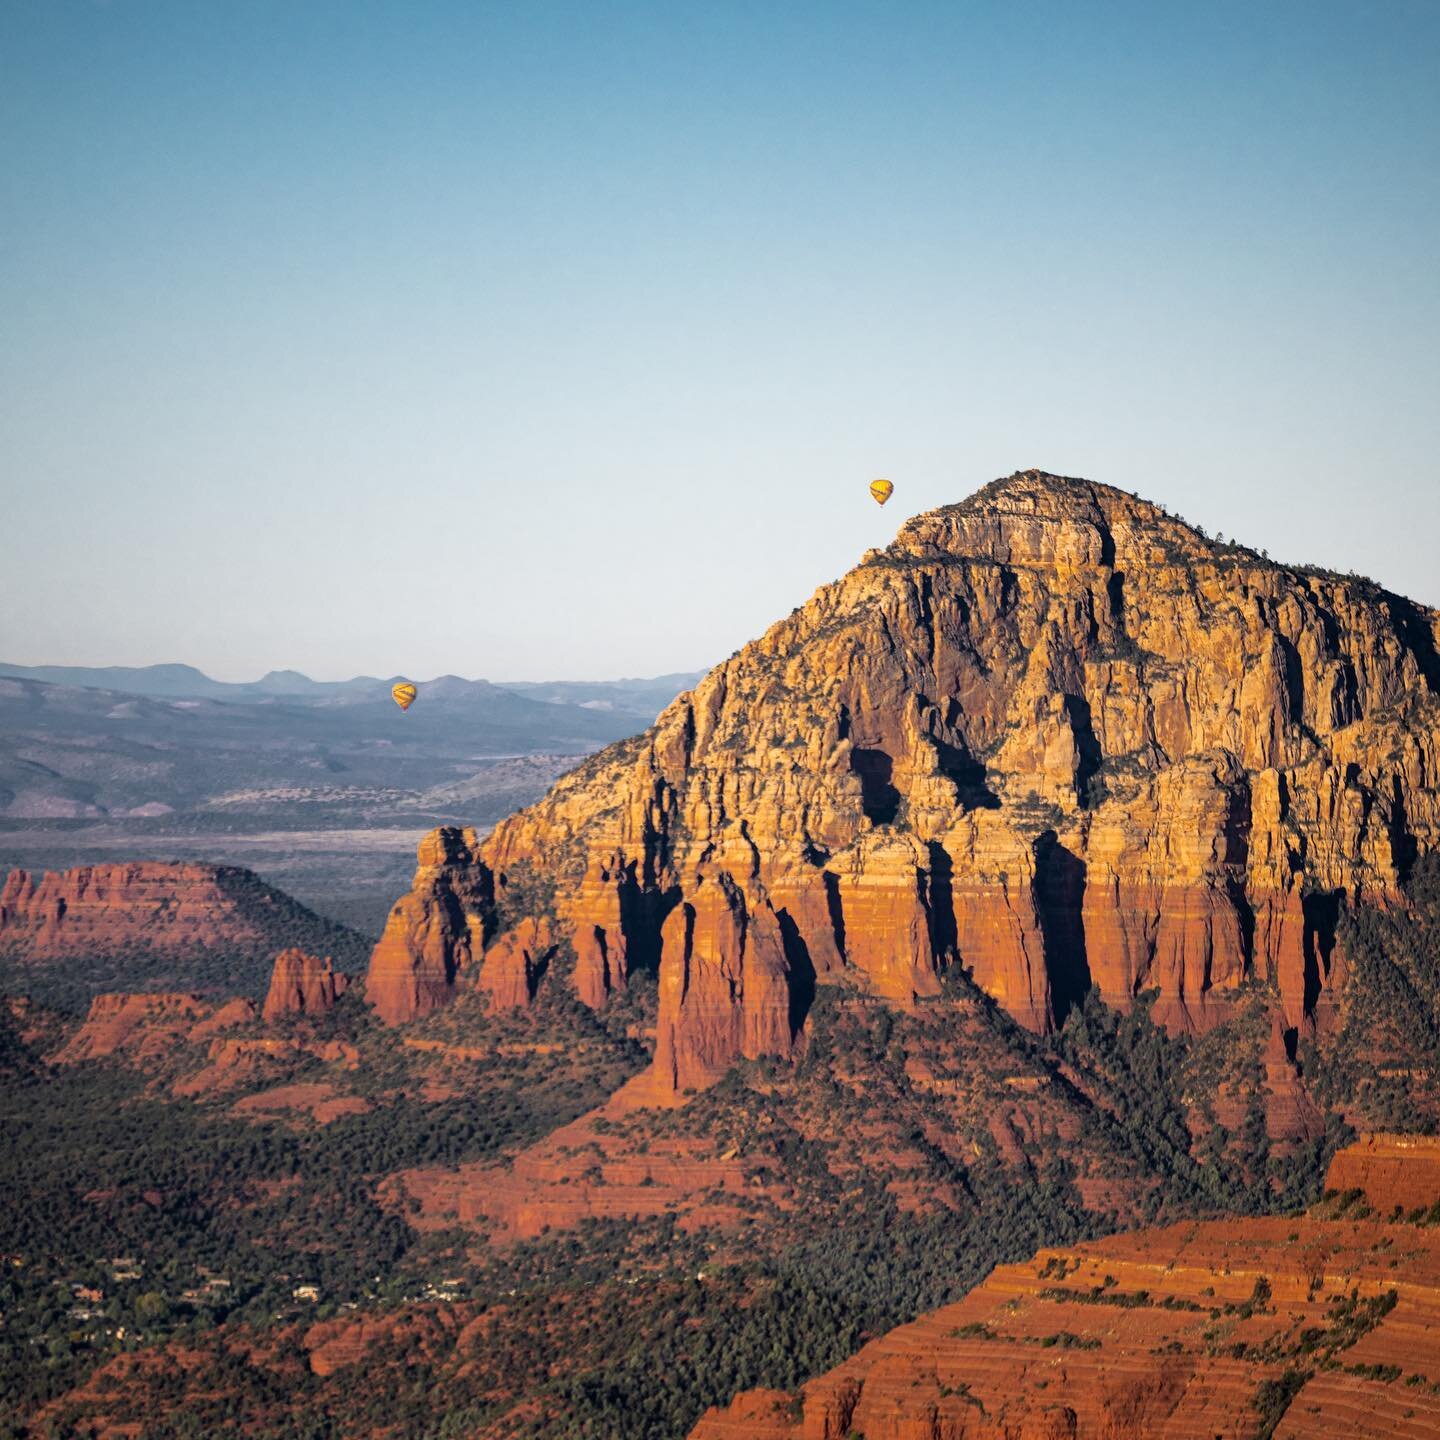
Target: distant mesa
{"points": [[1051, 737], [155, 925], [162, 906]]}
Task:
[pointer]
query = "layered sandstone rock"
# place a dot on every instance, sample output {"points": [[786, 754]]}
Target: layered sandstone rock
{"points": [[333, 1344], [303, 984], [516, 963], [108, 907], [575, 1174], [143, 1026], [239, 1062], [206, 1050], [315, 1099], [1052, 736], [723, 993], [1169, 1332], [160, 925], [433, 931], [1389, 1170]]}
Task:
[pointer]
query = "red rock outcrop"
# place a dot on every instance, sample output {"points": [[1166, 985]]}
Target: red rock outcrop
{"points": [[240, 1062], [1051, 735], [162, 926], [577, 1173], [316, 1099], [1390, 1170], [106, 907], [593, 913], [303, 984], [333, 1344], [1290, 1113], [143, 1026], [434, 930], [515, 963], [1169, 1332], [723, 993], [190, 1042]]}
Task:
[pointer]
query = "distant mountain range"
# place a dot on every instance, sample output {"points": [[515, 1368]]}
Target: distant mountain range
{"points": [[167, 745], [643, 698]]}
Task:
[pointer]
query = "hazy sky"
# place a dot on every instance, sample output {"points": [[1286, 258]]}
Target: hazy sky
{"points": [[532, 340]]}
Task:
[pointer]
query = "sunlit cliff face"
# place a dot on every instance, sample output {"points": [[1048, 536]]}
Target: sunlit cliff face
{"points": [[1051, 736]]}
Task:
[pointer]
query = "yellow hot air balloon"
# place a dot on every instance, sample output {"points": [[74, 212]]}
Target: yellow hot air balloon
{"points": [[403, 694], [881, 491]]}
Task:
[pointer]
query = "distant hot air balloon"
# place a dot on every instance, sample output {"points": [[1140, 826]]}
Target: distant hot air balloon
{"points": [[881, 491], [403, 694]]}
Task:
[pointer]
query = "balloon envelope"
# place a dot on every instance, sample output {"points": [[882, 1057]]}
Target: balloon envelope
{"points": [[881, 490], [403, 694]]}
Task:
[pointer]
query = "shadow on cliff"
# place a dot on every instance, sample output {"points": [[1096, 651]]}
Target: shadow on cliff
{"points": [[1322, 919], [1418, 637], [969, 777], [642, 918], [879, 798], [1087, 747], [800, 971], [1059, 898]]}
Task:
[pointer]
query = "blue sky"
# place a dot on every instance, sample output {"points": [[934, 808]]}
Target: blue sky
{"points": [[538, 340]]}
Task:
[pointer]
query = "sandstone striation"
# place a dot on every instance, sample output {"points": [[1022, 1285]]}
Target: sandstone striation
{"points": [[1182, 1331], [205, 1050], [573, 1175], [318, 1100], [303, 984], [332, 1345], [1391, 1171], [239, 1062], [157, 926], [1051, 736], [142, 1027], [106, 907], [516, 963], [434, 931]]}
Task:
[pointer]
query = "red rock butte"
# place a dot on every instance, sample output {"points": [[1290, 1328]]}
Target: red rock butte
{"points": [[302, 984], [161, 906], [1051, 736]]}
